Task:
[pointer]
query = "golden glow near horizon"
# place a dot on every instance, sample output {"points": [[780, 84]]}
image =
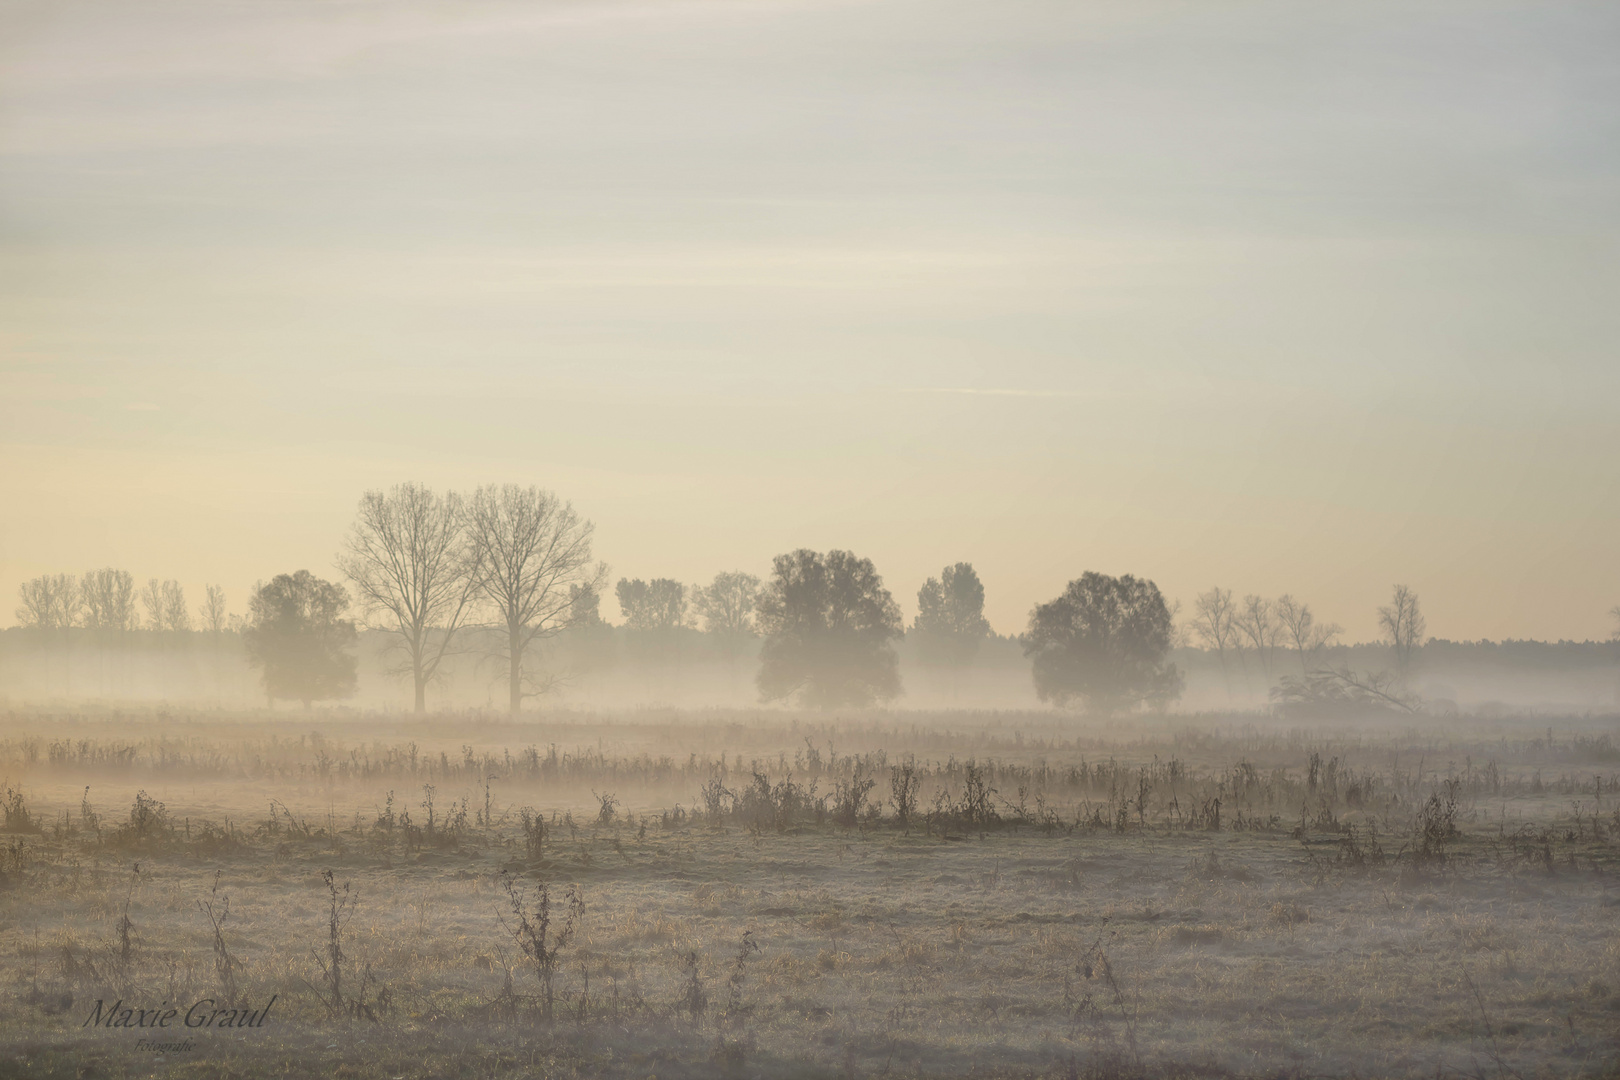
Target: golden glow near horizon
{"points": [[1280, 297]]}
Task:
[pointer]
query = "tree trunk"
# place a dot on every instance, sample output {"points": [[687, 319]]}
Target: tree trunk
{"points": [[514, 651], [417, 642]]}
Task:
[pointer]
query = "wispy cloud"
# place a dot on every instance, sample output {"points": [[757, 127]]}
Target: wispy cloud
{"points": [[980, 391]]}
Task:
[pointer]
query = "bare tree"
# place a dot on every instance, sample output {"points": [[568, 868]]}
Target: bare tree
{"points": [[152, 600], [1215, 622], [37, 608], [1403, 625], [1331, 691], [49, 602], [108, 597], [1180, 632], [165, 604], [1259, 628], [1614, 613], [175, 614], [529, 547], [1301, 630], [212, 609], [409, 560]]}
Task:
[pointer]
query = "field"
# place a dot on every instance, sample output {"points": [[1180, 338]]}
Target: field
{"points": [[697, 894]]}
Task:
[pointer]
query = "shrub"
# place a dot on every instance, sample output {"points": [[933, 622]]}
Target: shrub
{"points": [[849, 797], [903, 792], [18, 819], [541, 937], [1436, 827]]}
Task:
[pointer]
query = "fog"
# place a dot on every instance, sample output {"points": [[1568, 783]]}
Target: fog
{"points": [[778, 539], [681, 669]]}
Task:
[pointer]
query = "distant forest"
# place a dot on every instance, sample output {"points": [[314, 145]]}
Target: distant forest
{"points": [[494, 598]]}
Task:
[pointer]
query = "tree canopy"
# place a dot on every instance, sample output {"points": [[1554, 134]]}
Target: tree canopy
{"points": [[727, 604], [828, 623], [950, 621], [300, 640], [1104, 643], [659, 604]]}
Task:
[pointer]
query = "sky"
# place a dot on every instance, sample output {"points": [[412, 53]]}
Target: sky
{"points": [[1283, 297]]}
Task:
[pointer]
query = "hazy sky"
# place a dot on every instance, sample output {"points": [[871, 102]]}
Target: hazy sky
{"points": [[1285, 297]]}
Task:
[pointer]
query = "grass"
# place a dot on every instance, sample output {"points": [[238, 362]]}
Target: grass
{"points": [[957, 895]]}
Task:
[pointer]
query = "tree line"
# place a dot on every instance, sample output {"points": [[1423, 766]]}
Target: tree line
{"points": [[107, 599], [1261, 628], [516, 564]]}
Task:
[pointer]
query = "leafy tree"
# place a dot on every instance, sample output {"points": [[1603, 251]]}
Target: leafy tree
{"points": [[587, 641], [659, 604], [1106, 643], [584, 607], [300, 640], [828, 622], [408, 558], [727, 604], [950, 621]]}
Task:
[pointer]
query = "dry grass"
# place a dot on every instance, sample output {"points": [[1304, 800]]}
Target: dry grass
{"points": [[1366, 906]]}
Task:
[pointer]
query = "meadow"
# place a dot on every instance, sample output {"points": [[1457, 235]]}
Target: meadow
{"points": [[774, 894]]}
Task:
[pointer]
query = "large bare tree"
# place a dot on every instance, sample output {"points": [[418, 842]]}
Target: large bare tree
{"points": [[529, 548], [411, 565]]}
